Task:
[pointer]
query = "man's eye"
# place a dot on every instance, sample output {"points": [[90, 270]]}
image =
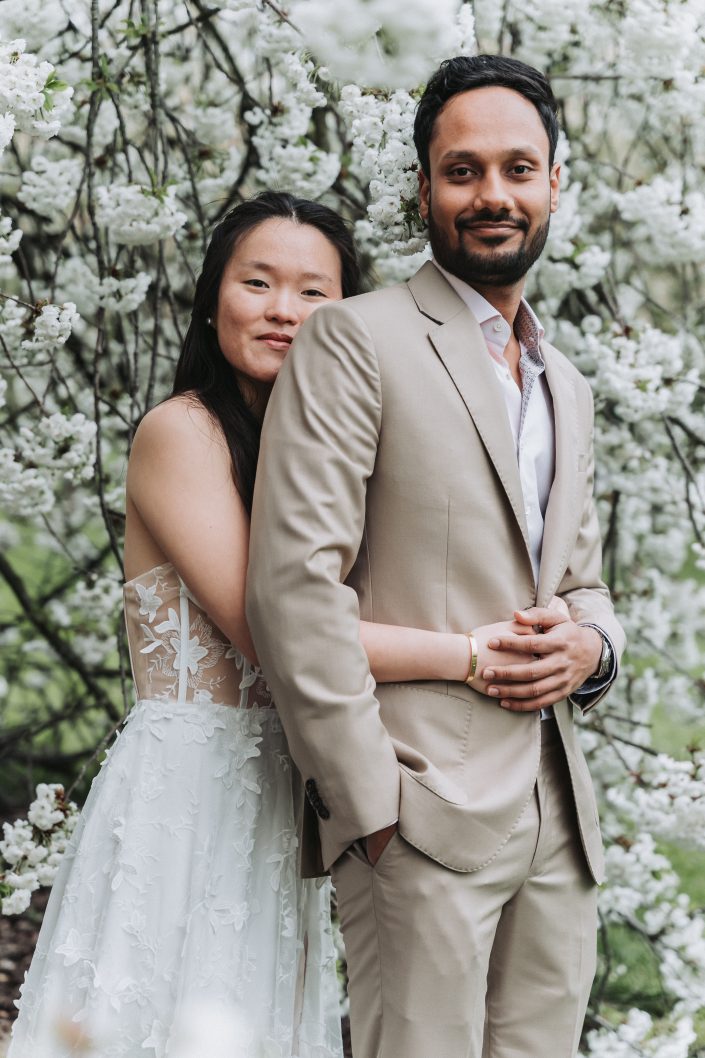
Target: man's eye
{"points": [[461, 170], [521, 170]]}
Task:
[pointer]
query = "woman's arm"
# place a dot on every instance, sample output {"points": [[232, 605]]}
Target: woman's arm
{"points": [[179, 482], [397, 654]]}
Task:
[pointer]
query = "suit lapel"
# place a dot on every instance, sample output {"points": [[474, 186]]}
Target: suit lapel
{"points": [[460, 345], [563, 512]]}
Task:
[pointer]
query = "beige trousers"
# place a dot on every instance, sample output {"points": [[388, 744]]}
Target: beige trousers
{"points": [[493, 964]]}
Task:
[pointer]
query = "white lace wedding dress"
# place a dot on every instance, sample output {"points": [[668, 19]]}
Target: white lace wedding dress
{"points": [[179, 896]]}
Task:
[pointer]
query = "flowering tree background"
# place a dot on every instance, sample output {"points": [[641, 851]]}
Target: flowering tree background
{"points": [[128, 128]]}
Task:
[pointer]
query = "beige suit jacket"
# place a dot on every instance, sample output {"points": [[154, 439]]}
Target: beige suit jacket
{"points": [[388, 490]]}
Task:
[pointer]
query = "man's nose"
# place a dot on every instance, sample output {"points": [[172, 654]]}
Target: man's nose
{"points": [[492, 193]]}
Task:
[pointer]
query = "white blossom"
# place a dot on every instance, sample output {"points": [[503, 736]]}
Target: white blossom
{"points": [[636, 1038], [29, 90], [136, 215], [7, 129], [381, 131], [666, 797], [462, 40], [380, 43], [659, 38], [17, 902], [31, 849], [52, 327], [23, 491], [64, 444], [9, 241], [114, 293], [668, 218], [50, 187], [35, 20], [43, 813]]}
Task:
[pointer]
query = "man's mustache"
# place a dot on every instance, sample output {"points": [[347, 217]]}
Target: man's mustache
{"points": [[487, 217]]}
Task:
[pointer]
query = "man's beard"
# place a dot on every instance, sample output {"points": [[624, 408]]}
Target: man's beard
{"points": [[495, 267]]}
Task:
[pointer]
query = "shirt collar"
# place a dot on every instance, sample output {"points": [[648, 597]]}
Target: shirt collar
{"points": [[529, 329]]}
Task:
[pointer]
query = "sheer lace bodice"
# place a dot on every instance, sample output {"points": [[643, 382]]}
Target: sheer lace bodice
{"points": [[177, 653]]}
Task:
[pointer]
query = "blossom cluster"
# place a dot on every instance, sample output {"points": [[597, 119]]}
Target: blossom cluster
{"points": [[32, 848], [383, 154], [52, 327], [380, 43], [9, 241], [113, 293], [49, 187], [644, 891], [288, 157], [136, 215], [31, 97], [64, 444], [637, 1036], [665, 796]]}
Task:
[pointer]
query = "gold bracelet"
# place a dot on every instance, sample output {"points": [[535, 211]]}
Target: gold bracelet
{"points": [[473, 657]]}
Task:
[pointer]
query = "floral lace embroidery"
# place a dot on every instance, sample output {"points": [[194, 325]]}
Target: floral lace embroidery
{"points": [[178, 651]]}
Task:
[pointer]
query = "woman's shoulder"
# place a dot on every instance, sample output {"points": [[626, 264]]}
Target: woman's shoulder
{"points": [[179, 420], [178, 439]]}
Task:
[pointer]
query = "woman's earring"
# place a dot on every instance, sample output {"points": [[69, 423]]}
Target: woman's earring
{"points": [[209, 321]]}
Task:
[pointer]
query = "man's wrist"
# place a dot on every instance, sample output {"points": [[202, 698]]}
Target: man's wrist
{"points": [[605, 661], [593, 688]]}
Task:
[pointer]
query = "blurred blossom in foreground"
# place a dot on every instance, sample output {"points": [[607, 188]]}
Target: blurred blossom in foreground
{"points": [[209, 1030], [383, 43]]}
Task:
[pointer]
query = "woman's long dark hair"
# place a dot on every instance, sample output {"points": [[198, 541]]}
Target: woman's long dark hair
{"points": [[202, 369]]}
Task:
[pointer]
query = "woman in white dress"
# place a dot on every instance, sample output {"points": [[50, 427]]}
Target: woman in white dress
{"points": [[179, 897]]}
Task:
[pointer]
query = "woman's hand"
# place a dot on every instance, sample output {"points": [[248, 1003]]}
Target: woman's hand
{"points": [[559, 656], [500, 629], [486, 656]]}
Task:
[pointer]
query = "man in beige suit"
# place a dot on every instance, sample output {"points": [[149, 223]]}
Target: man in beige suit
{"points": [[427, 461]]}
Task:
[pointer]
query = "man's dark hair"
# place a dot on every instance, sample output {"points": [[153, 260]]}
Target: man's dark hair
{"points": [[466, 72]]}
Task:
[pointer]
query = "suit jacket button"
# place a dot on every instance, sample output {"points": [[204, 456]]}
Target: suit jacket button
{"points": [[312, 792], [315, 800]]}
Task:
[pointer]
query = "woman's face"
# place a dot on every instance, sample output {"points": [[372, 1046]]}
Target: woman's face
{"points": [[278, 274]]}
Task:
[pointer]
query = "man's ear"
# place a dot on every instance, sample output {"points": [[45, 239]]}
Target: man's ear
{"points": [[554, 181], [424, 194]]}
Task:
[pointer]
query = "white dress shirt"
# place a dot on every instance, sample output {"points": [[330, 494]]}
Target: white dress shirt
{"points": [[530, 409]]}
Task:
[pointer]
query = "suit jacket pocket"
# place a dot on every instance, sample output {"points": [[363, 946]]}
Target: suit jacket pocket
{"points": [[423, 772]]}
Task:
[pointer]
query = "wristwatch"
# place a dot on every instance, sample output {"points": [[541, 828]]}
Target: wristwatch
{"points": [[606, 657]]}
